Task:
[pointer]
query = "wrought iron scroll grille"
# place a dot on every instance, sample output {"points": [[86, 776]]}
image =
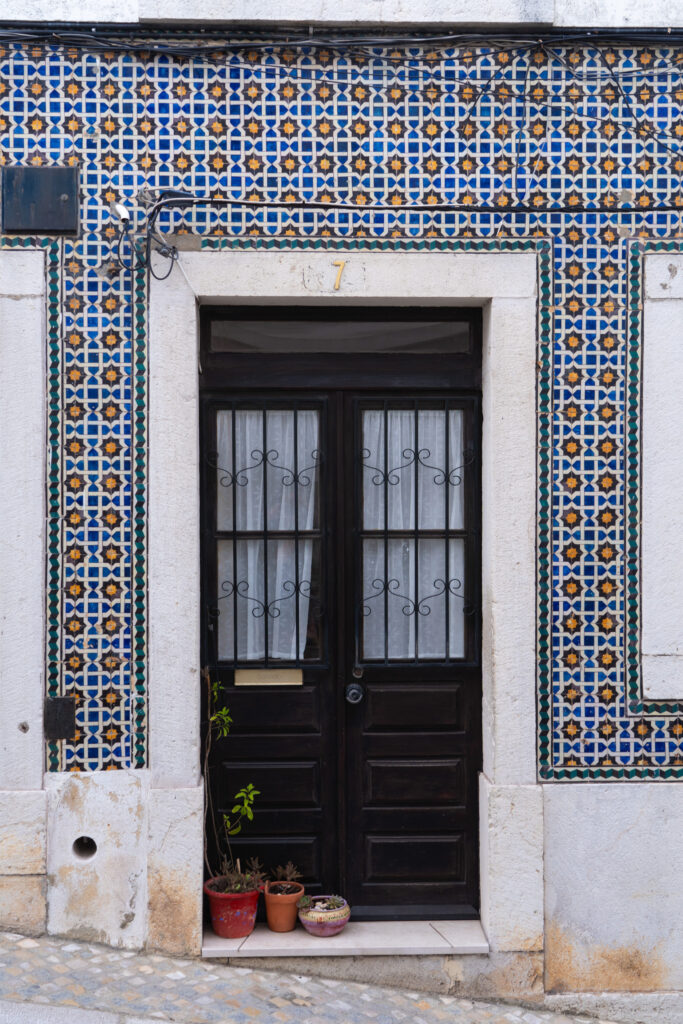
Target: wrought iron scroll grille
{"points": [[414, 463], [267, 465]]}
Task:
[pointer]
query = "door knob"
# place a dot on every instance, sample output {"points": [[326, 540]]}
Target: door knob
{"points": [[354, 693]]}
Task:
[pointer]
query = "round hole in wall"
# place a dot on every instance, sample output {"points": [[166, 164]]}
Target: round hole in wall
{"points": [[84, 847]]}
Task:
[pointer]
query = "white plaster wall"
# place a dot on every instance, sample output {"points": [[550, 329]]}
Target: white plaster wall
{"points": [[173, 539], [509, 529], [71, 10], [614, 899], [22, 517], [354, 12], [22, 589], [662, 480], [445, 14], [618, 13], [511, 864]]}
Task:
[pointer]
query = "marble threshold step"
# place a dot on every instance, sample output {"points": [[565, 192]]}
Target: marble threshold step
{"points": [[359, 938]]}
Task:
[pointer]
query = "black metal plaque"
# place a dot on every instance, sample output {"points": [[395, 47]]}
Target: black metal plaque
{"points": [[40, 200]]}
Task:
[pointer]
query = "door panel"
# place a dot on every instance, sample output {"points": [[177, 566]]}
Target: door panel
{"points": [[422, 860], [413, 739], [413, 781], [390, 708], [267, 540]]}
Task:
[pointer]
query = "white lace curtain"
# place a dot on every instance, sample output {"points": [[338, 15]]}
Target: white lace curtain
{"points": [[413, 571], [267, 480], [413, 586]]}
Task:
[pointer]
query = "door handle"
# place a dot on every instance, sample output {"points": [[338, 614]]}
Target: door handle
{"points": [[354, 693]]}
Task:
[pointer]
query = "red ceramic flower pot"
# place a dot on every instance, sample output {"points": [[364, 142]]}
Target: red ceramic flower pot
{"points": [[233, 914]]}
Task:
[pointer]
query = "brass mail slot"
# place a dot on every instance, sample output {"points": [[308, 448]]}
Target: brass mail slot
{"points": [[269, 677]]}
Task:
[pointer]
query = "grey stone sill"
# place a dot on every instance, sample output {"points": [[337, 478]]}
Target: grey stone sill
{"points": [[359, 938]]}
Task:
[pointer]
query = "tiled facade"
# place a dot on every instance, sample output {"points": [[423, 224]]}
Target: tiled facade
{"points": [[571, 153]]}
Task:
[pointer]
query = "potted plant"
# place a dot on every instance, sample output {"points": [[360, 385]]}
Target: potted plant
{"points": [[233, 899], [323, 915], [233, 893], [282, 894]]}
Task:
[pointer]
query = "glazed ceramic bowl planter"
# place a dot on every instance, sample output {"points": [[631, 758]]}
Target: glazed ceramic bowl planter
{"points": [[233, 914], [324, 915], [281, 906]]}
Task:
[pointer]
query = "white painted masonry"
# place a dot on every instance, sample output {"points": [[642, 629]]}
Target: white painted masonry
{"points": [[22, 517], [662, 480], [22, 588], [143, 886], [505, 285], [614, 900], [445, 14]]}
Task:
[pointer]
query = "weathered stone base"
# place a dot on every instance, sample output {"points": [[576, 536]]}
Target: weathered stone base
{"points": [[22, 904], [626, 1007], [142, 886], [513, 976]]}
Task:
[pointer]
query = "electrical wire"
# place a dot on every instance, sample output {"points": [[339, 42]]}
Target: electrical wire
{"points": [[347, 45], [137, 262], [170, 252]]}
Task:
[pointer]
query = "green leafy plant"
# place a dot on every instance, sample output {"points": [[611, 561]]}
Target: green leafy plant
{"points": [[221, 721], [242, 809], [219, 724]]}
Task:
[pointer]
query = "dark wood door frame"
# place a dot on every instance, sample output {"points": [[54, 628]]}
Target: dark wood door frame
{"points": [[331, 380]]}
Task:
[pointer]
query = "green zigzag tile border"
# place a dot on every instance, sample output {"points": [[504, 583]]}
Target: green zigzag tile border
{"points": [[139, 510]]}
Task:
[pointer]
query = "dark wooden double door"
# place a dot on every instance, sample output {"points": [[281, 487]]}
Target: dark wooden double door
{"points": [[341, 616]]}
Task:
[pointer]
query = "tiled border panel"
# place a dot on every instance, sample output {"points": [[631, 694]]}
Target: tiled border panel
{"points": [[475, 134]]}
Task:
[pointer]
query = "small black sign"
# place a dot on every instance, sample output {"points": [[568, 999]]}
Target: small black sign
{"points": [[40, 200], [60, 718]]}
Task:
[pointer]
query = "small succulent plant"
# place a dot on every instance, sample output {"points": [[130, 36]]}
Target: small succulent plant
{"points": [[285, 879], [234, 880]]}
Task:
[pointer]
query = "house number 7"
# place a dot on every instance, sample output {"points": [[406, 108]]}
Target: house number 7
{"points": [[341, 264]]}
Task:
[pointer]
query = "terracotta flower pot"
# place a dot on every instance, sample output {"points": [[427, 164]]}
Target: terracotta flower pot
{"points": [[324, 923], [281, 907], [233, 914]]}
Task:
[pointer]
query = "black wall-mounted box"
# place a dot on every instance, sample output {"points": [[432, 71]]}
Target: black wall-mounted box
{"points": [[40, 200], [60, 718]]}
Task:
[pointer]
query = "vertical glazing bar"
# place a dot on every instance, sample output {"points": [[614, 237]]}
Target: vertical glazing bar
{"points": [[296, 532], [265, 535], [447, 575], [234, 533], [386, 534], [416, 474]]}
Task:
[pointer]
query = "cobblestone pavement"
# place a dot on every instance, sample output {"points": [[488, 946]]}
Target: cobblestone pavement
{"points": [[49, 980]]}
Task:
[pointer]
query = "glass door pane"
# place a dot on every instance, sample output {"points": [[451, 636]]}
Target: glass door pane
{"points": [[268, 464], [413, 467]]}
